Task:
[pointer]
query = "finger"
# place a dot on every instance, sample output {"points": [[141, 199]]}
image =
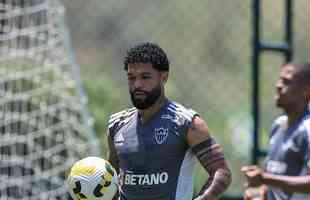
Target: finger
{"points": [[248, 168], [252, 174], [245, 197]]}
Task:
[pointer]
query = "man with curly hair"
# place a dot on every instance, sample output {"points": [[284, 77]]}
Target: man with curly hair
{"points": [[154, 145]]}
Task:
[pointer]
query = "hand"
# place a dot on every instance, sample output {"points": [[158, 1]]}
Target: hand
{"points": [[255, 193], [254, 175], [250, 194], [263, 192]]}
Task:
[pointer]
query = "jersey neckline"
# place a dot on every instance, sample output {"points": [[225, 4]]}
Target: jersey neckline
{"points": [[158, 113]]}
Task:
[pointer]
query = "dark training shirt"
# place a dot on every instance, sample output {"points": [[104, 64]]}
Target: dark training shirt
{"points": [[155, 160], [289, 153]]}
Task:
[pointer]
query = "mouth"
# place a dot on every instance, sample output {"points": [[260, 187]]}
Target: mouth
{"points": [[277, 96], [139, 95]]}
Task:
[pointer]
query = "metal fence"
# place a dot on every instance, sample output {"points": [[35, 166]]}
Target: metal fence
{"points": [[209, 46]]}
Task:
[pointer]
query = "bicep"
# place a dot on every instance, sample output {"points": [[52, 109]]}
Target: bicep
{"points": [[204, 146]]}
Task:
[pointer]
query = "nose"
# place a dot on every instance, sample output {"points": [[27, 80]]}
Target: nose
{"points": [[138, 84]]}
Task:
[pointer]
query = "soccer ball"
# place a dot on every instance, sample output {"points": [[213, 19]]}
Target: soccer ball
{"points": [[92, 178]]}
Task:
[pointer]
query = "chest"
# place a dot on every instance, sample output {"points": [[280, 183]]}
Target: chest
{"points": [[286, 154], [151, 146]]}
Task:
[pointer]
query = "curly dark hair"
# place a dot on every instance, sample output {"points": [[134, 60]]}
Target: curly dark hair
{"points": [[147, 52]]}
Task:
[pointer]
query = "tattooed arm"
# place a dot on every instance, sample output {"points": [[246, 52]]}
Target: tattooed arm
{"points": [[210, 155]]}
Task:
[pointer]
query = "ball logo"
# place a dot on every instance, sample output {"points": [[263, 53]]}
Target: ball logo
{"points": [[161, 135]]}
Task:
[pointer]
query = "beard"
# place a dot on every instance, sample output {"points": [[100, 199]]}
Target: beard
{"points": [[278, 101], [150, 98]]}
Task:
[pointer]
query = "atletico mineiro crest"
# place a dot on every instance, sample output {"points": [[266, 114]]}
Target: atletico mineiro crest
{"points": [[161, 135]]}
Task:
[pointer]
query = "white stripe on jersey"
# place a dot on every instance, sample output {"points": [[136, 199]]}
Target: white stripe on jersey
{"points": [[306, 124], [184, 190], [180, 110], [115, 118], [121, 113]]}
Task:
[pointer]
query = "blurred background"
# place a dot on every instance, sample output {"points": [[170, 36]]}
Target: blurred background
{"points": [[209, 45]]}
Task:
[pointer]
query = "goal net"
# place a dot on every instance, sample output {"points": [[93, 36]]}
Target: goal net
{"points": [[44, 124]]}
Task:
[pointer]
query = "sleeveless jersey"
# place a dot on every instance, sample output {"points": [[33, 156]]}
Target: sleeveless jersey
{"points": [[155, 161], [289, 152]]}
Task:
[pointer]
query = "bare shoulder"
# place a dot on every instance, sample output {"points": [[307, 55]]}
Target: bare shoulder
{"points": [[198, 131]]}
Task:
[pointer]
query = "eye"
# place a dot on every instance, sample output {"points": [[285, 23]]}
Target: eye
{"points": [[130, 78], [145, 77]]}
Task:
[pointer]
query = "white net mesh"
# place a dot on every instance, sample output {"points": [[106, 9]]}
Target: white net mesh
{"points": [[44, 126]]}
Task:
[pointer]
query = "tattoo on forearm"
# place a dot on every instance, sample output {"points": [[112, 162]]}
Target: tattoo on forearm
{"points": [[210, 155], [220, 182]]}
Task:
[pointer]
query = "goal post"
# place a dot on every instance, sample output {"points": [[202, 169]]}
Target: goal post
{"points": [[44, 124]]}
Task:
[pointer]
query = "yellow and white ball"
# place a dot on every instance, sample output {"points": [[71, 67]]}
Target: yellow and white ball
{"points": [[92, 178]]}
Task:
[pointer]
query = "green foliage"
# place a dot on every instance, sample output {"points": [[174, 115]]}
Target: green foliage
{"points": [[104, 99]]}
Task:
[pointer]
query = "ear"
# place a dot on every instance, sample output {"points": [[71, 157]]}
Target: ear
{"points": [[306, 91], [164, 76]]}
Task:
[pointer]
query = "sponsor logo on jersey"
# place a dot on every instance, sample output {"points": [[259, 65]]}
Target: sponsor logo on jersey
{"points": [[145, 179], [161, 135], [276, 167]]}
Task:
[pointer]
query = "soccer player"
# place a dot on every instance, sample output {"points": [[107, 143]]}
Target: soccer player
{"points": [[154, 144], [287, 167]]}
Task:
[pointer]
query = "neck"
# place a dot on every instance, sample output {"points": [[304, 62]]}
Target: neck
{"points": [[146, 114], [296, 112]]}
